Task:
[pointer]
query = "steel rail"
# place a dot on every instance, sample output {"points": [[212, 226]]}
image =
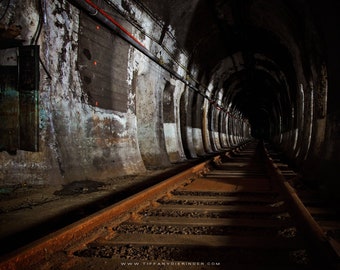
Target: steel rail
{"points": [[96, 225], [36, 251], [321, 246]]}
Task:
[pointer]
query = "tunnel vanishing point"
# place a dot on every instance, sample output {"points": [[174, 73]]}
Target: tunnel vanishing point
{"points": [[95, 89]]}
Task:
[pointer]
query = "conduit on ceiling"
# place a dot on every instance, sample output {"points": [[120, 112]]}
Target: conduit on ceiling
{"points": [[103, 17]]}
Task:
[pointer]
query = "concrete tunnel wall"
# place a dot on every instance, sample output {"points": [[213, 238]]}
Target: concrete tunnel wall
{"points": [[108, 110], [79, 140]]}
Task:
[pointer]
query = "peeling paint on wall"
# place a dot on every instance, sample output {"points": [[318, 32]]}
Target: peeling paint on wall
{"points": [[77, 140]]}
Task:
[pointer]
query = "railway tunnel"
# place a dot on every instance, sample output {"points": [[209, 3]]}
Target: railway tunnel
{"points": [[96, 94]]}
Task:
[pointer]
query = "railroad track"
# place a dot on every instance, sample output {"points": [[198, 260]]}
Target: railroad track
{"points": [[235, 211]]}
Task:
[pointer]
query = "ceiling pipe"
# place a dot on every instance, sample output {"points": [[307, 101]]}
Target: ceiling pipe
{"points": [[94, 11], [102, 16]]}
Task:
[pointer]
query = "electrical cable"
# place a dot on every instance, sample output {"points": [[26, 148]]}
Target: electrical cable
{"points": [[189, 76], [107, 19], [45, 69], [5, 11], [39, 26]]}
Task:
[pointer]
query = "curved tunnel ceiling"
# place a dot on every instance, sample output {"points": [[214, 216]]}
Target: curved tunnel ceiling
{"points": [[261, 40]]}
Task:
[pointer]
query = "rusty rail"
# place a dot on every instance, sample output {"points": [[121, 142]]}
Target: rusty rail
{"points": [[61, 239], [321, 246], [101, 228]]}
